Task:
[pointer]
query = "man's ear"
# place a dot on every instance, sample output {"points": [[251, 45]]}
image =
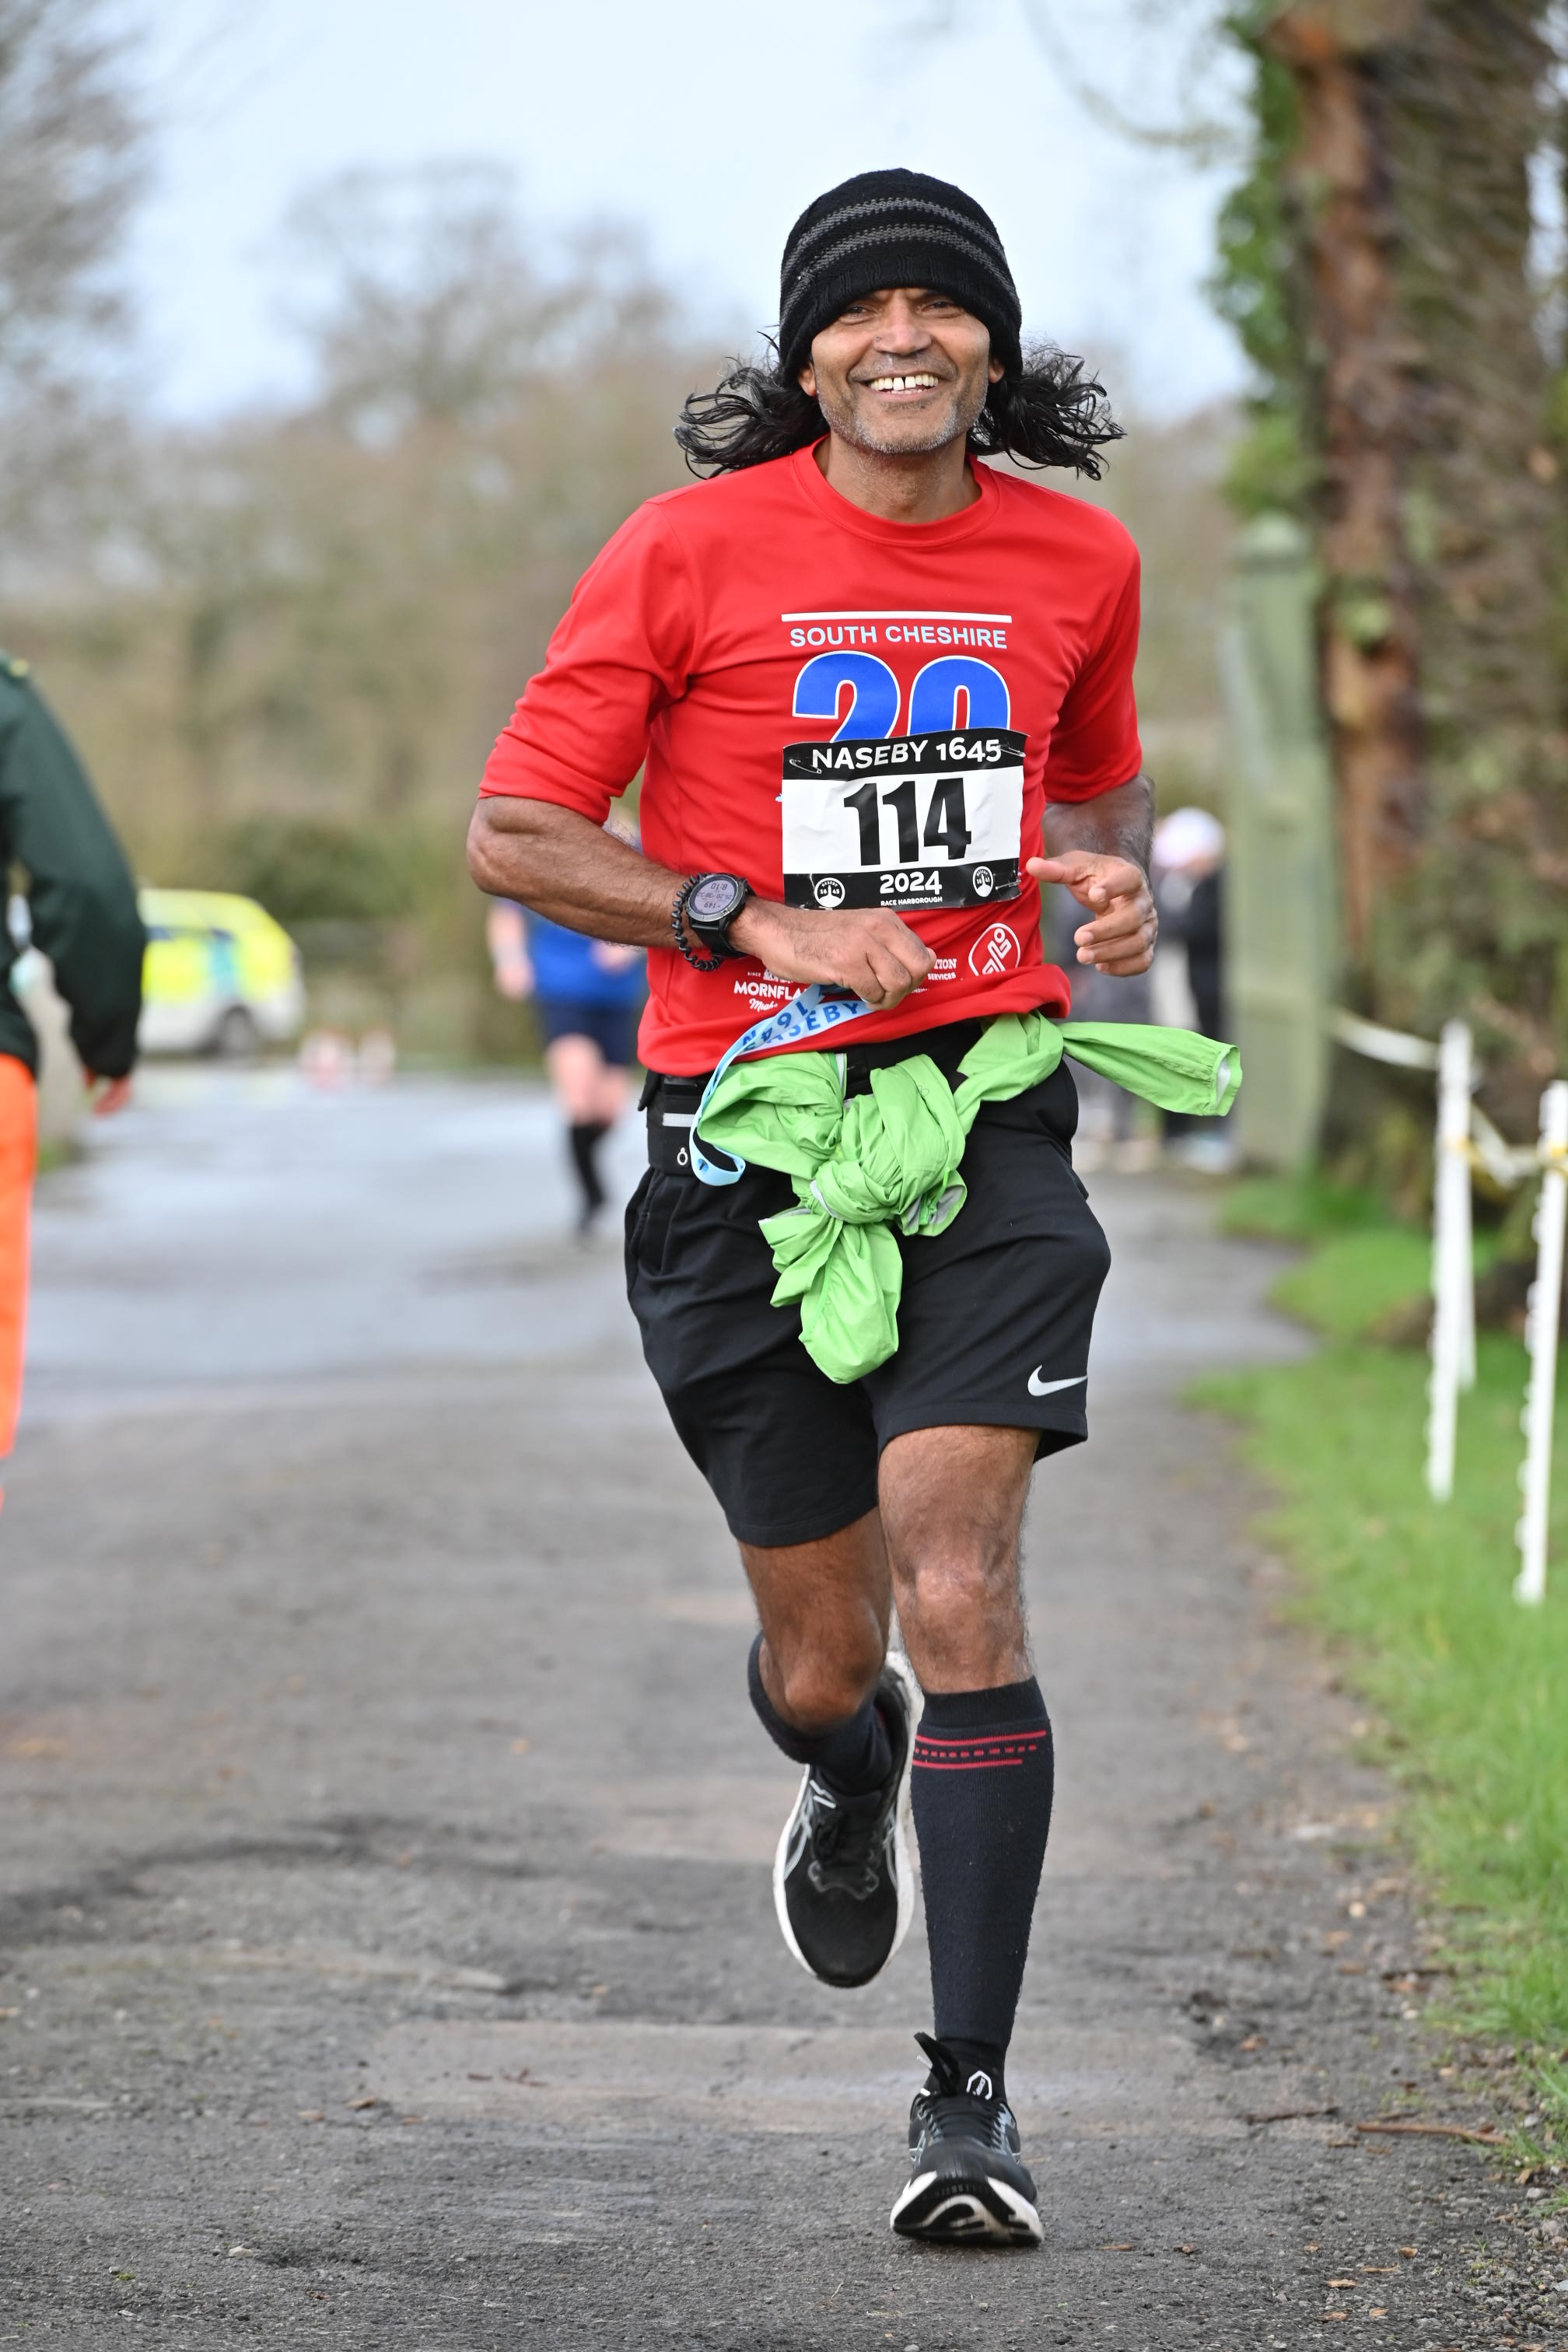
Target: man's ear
{"points": [[995, 370], [807, 380]]}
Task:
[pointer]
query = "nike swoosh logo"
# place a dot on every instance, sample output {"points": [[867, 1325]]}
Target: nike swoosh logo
{"points": [[1038, 1387]]}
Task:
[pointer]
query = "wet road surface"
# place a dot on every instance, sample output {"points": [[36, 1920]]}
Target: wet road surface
{"points": [[387, 1955]]}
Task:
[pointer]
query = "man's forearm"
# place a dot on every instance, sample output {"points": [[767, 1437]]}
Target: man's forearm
{"points": [[564, 866], [568, 868], [1119, 824]]}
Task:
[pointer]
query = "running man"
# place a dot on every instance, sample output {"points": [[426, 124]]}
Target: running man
{"points": [[587, 992], [865, 675]]}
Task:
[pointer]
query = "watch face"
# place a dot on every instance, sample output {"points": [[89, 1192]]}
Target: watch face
{"points": [[714, 897]]}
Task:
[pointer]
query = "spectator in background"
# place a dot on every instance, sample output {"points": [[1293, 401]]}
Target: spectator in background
{"points": [[588, 993], [81, 905], [1189, 887], [1108, 1123]]}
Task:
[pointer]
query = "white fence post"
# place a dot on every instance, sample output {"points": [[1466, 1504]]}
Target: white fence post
{"points": [[1540, 1338], [1467, 1292], [1453, 1293]]}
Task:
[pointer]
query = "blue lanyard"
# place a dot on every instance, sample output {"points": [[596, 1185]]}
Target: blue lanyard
{"points": [[812, 1013]]}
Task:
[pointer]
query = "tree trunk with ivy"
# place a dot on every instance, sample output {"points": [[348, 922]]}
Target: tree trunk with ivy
{"points": [[1377, 262], [1340, 190]]}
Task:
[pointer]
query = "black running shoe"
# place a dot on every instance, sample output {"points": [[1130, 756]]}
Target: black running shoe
{"points": [[843, 1877], [966, 2180]]}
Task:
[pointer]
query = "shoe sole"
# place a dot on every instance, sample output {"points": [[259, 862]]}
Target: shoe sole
{"points": [[954, 2208], [899, 1668]]}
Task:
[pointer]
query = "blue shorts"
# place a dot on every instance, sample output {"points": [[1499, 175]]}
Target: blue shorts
{"points": [[611, 1027]]}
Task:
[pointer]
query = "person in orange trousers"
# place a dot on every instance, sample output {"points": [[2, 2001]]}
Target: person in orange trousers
{"points": [[82, 905]]}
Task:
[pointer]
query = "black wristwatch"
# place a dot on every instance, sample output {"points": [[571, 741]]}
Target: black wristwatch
{"points": [[710, 904]]}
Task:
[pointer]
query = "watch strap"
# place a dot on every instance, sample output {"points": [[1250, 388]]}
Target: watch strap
{"points": [[677, 925]]}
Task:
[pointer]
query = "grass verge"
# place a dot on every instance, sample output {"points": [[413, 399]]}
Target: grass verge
{"points": [[1470, 1688]]}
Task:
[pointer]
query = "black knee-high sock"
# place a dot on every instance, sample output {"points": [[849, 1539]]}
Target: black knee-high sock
{"points": [[853, 1757], [586, 1137], [981, 1789]]}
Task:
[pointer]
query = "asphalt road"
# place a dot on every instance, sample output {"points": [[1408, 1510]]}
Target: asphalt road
{"points": [[386, 1951]]}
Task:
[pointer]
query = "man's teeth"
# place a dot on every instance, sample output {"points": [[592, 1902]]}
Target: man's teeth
{"points": [[904, 383]]}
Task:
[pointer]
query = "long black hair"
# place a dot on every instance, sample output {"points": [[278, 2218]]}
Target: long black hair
{"points": [[1051, 413]]}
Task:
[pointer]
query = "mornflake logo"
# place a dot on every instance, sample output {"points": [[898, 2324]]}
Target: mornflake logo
{"points": [[1038, 1387]]}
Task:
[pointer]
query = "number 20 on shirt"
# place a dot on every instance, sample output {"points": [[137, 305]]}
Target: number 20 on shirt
{"points": [[930, 818]]}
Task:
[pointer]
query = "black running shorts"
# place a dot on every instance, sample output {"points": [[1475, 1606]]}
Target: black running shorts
{"points": [[993, 1325]]}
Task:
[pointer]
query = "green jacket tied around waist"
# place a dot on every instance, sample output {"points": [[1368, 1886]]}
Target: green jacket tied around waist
{"points": [[892, 1158]]}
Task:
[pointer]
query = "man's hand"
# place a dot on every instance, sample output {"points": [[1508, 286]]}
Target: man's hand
{"points": [[115, 1094], [1121, 939], [867, 948]]}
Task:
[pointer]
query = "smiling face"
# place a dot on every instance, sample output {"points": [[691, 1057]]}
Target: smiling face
{"points": [[901, 372]]}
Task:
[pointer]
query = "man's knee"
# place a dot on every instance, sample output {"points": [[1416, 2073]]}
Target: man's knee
{"points": [[821, 1686], [953, 1586]]}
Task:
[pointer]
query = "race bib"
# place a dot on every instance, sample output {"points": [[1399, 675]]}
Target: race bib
{"points": [[905, 820]]}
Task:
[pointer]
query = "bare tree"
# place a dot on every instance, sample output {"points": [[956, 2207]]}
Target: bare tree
{"points": [[427, 301], [1161, 75], [323, 612], [70, 165], [71, 160], [1179, 44]]}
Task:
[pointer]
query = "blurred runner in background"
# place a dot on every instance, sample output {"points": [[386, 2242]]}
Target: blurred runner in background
{"points": [[82, 904], [589, 993]]}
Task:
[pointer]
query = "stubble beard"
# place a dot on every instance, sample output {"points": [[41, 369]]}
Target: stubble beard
{"points": [[845, 419]]}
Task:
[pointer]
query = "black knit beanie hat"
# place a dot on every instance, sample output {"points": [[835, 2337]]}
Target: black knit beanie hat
{"points": [[894, 228]]}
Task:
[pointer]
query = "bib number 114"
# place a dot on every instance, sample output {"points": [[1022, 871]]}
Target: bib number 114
{"points": [[946, 827], [911, 819]]}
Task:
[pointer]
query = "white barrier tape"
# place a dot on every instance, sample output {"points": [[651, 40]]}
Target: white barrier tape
{"points": [[1504, 1163], [1467, 1140], [1380, 1045], [1507, 1163]]}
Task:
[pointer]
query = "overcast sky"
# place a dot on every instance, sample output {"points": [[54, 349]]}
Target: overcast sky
{"points": [[709, 127]]}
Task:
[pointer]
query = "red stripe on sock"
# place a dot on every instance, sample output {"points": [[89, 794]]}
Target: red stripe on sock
{"points": [[972, 1738], [977, 1753], [1012, 1744]]}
